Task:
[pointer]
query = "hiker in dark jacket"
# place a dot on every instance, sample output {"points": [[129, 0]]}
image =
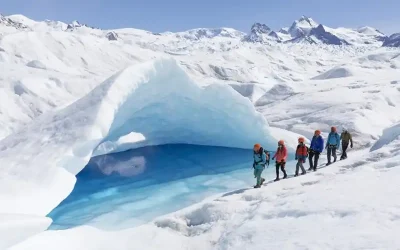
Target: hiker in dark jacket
{"points": [[316, 148], [346, 139]]}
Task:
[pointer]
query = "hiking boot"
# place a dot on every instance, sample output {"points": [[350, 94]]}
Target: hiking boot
{"points": [[309, 169], [277, 179], [257, 186], [303, 173], [284, 177], [295, 175]]}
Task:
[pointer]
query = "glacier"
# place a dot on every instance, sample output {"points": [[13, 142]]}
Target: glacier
{"points": [[59, 144], [101, 183]]}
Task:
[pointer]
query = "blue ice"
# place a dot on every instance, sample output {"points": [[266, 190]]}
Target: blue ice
{"points": [[130, 188]]}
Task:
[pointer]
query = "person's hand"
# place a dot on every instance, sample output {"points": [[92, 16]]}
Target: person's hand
{"points": [[282, 161], [304, 160], [273, 158]]}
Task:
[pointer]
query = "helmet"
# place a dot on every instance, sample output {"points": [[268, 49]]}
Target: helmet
{"points": [[257, 146], [344, 128], [333, 129], [281, 142], [301, 139], [318, 132]]}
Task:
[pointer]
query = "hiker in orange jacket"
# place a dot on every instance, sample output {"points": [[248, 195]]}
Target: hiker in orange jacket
{"points": [[301, 156], [280, 156]]}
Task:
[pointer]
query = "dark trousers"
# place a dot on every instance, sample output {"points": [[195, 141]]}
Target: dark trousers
{"points": [[282, 166], [315, 155], [344, 148], [331, 152]]}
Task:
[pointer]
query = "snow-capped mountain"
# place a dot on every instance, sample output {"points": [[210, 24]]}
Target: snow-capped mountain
{"points": [[262, 33], [9, 22], [198, 34], [370, 31], [302, 27], [303, 30], [320, 34], [191, 105], [76, 25], [306, 30], [392, 41]]}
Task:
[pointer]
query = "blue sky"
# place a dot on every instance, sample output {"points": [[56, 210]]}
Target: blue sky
{"points": [[179, 15]]}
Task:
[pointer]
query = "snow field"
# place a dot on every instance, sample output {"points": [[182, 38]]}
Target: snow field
{"points": [[15, 228]]}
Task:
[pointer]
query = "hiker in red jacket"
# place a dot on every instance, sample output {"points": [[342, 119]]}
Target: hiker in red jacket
{"points": [[280, 156], [301, 156]]}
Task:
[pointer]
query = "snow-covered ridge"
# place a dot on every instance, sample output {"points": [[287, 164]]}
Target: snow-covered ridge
{"points": [[7, 21], [299, 32], [392, 41], [156, 100], [197, 34]]}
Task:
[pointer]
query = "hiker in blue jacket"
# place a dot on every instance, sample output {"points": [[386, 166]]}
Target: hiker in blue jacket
{"points": [[260, 159], [316, 148], [332, 144]]}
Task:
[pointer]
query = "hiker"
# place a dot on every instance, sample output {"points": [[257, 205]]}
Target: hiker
{"points": [[280, 156], [260, 159], [316, 148], [346, 138], [301, 156], [332, 143]]}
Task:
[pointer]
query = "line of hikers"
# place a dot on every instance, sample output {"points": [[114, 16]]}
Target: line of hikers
{"points": [[262, 157]]}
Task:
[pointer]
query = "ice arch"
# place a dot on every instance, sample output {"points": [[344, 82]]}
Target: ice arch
{"points": [[166, 106], [147, 104]]}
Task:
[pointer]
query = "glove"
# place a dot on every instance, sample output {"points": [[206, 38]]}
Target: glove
{"points": [[254, 165], [282, 161], [304, 160], [296, 158], [273, 158]]}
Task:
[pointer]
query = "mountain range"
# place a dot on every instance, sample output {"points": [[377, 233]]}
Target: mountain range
{"points": [[304, 30]]}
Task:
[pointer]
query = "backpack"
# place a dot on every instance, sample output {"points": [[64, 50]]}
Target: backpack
{"points": [[307, 149], [267, 155]]}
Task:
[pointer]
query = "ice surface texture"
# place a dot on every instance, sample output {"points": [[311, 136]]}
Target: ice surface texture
{"points": [[157, 101]]}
